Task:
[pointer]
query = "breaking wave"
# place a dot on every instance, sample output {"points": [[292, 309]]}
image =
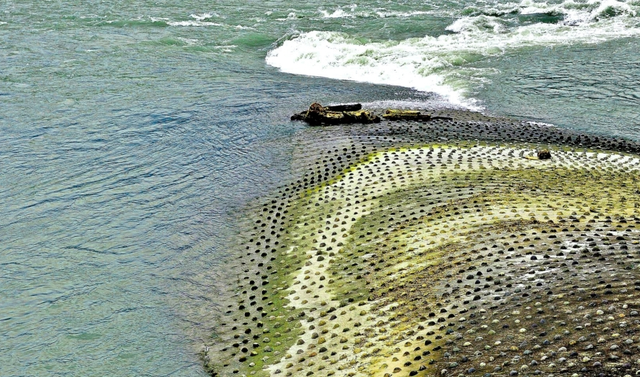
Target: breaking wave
{"points": [[443, 64]]}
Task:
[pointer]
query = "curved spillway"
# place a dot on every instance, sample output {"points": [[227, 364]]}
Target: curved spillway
{"points": [[432, 249]]}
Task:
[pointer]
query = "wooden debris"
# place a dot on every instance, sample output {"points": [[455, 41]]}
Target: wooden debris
{"points": [[318, 115], [392, 114], [347, 107], [340, 114]]}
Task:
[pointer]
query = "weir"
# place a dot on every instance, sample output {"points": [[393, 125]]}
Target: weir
{"points": [[441, 248]]}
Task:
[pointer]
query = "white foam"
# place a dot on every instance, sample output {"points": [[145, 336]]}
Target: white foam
{"points": [[542, 124], [193, 23], [610, 9], [201, 17], [226, 49], [189, 41], [426, 103], [573, 12], [338, 13], [478, 24], [441, 64], [386, 14], [335, 55], [377, 13]]}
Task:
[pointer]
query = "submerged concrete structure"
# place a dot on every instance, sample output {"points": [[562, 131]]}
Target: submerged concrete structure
{"points": [[448, 248]]}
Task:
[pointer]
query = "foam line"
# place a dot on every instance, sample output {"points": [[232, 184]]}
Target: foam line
{"points": [[444, 64]]}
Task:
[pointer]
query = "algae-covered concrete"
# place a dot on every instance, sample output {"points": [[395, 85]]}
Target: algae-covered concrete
{"points": [[442, 249]]}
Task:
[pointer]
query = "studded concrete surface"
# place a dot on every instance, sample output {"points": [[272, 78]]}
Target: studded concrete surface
{"points": [[441, 249]]}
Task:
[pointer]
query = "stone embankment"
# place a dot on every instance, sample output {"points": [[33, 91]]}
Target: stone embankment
{"points": [[460, 246]]}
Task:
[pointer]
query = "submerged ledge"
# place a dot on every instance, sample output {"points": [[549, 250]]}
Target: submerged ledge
{"points": [[433, 249]]}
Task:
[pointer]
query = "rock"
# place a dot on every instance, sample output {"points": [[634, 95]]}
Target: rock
{"points": [[544, 154], [318, 115]]}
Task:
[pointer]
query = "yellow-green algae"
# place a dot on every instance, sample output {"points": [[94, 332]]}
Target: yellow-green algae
{"points": [[446, 260]]}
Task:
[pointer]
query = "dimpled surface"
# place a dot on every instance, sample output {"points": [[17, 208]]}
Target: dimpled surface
{"points": [[442, 248]]}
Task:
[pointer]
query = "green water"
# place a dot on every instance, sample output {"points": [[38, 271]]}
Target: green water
{"points": [[132, 133]]}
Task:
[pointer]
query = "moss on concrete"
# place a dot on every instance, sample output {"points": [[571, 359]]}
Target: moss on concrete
{"points": [[444, 259]]}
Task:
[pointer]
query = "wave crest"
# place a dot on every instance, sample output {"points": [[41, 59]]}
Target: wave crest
{"points": [[443, 64]]}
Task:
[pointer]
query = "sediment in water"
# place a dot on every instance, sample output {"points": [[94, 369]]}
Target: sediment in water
{"points": [[442, 248]]}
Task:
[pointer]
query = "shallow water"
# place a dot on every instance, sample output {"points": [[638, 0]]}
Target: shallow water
{"points": [[132, 134]]}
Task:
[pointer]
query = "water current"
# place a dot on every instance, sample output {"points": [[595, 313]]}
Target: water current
{"points": [[133, 133]]}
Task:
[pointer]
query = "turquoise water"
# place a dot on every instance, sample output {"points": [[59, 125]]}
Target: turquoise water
{"points": [[132, 133]]}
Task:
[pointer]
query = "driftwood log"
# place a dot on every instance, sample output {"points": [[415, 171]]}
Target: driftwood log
{"points": [[346, 107], [391, 114], [341, 114], [353, 113]]}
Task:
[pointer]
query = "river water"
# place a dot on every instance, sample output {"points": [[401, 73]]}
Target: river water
{"points": [[133, 133]]}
